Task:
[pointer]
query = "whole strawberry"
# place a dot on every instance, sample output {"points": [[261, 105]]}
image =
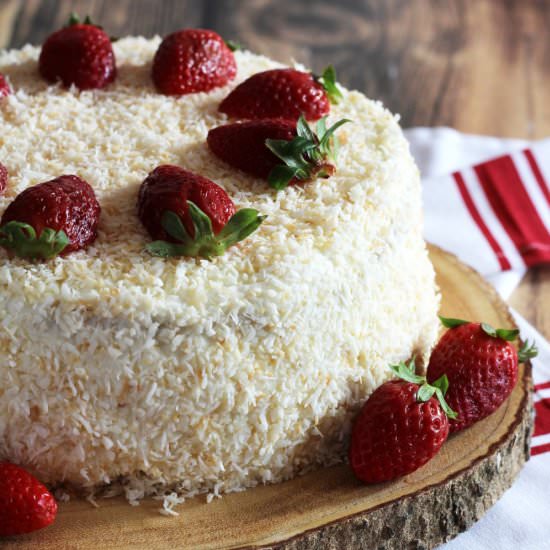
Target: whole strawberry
{"points": [[481, 365], [25, 504], [192, 60], [402, 426], [5, 89], [191, 215], [79, 54], [278, 150], [283, 93], [3, 178], [57, 216]]}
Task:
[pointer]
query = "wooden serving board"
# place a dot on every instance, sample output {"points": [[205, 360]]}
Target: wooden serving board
{"points": [[330, 508]]}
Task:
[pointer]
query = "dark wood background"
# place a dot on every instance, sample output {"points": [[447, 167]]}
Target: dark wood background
{"points": [[482, 66]]}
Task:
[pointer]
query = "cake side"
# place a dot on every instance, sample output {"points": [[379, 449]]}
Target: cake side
{"points": [[202, 375]]}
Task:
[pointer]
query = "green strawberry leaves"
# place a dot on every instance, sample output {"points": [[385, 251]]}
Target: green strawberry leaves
{"points": [[74, 19], [449, 322], [204, 244], [506, 334], [233, 45], [328, 81], [527, 351], [425, 391], [22, 240], [306, 156]]}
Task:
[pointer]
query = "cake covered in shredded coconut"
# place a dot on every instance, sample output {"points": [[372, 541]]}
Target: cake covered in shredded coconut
{"points": [[190, 375]]}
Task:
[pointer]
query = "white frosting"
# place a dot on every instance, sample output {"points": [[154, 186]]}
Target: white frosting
{"points": [[213, 375]]}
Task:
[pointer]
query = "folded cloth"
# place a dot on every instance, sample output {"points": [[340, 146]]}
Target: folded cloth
{"points": [[487, 200]]}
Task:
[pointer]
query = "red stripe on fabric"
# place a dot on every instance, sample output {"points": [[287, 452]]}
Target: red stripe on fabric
{"points": [[476, 216], [542, 386], [513, 207], [542, 417], [540, 449], [537, 173]]}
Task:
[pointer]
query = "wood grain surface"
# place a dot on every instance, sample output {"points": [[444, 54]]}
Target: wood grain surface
{"points": [[481, 66], [329, 508]]}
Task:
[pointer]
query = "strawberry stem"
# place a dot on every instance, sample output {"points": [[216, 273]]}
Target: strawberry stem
{"points": [[306, 156], [425, 390], [204, 244], [21, 239]]}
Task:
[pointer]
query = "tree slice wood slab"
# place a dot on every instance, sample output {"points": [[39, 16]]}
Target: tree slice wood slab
{"points": [[329, 508]]}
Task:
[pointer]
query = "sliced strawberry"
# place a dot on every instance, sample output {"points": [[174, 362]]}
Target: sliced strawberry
{"points": [[192, 60], [481, 365], [280, 151], [191, 215], [402, 426], [283, 93], [54, 217], [25, 504], [79, 54]]}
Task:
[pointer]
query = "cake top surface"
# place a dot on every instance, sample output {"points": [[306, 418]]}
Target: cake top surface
{"points": [[114, 137]]}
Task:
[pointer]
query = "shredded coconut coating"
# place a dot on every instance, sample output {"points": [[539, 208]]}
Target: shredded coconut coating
{"points": [[198, 375]]}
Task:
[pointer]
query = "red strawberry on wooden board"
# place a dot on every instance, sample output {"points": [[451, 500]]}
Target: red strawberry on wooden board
{"points": [[283, 93], [4, 87], [481, 365], [190, 214], [25, 504], [54, 217], [79, 54], [3, 178], [192, 60], [280, 151], [402, 425]]}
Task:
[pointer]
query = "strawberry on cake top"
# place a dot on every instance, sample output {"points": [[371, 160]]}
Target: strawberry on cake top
{"points": [[189, 373]]}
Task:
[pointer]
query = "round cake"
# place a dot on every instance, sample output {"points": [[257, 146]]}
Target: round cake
{"points": [[187, 374]]}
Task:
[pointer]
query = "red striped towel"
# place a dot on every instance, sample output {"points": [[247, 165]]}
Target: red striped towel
{"points": [[495, 216]]}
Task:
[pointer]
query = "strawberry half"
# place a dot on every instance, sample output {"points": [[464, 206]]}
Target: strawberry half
{"points": [[481, 365], [5, 89], [79, 54], [3, 178], [192, 60], [283, 93], [25, 504], [402, 426], [190, 214], [280, 151], [54, 217]]}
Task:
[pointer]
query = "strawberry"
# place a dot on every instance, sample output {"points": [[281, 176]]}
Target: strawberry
{"points": [[25, 504], [257, 147], [481, 365], [283, 93], [191, 215], [400, 427], [5, 89], [3, 178], [192, 60], [79, 54], [57, 216]]}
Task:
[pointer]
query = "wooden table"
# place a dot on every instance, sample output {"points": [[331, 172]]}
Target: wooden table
{"points": [[481, 66]]}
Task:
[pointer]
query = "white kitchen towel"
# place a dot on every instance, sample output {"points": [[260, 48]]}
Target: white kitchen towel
{"points": [[487, 200]]}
